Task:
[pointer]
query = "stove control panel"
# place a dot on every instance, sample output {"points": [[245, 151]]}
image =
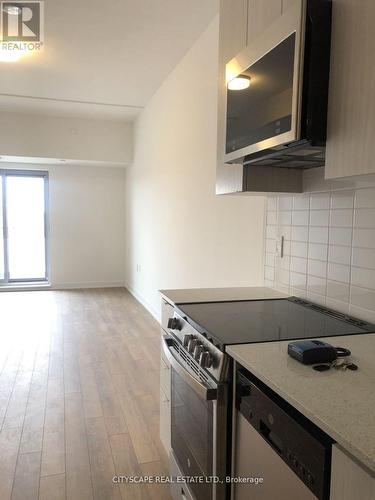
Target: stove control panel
{"points": [[199, 347]]}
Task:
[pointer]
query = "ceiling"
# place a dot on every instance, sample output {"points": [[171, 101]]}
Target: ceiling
{"points": [[103, 59]]}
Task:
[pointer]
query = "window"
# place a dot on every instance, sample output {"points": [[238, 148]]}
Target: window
{"points": [[23, 224]]}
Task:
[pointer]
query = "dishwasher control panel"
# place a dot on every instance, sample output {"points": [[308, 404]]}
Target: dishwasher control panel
{"points": [[298, 442]]}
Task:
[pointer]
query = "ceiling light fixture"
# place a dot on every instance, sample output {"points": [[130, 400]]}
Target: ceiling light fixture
{"points": [[10, 55], [240, 82]]}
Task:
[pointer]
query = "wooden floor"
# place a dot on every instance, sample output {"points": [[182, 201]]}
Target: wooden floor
{"points": [[79, 396]]}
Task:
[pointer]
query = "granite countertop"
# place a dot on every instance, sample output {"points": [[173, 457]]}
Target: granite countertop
{"points": [[342, 403], [187, 296]]}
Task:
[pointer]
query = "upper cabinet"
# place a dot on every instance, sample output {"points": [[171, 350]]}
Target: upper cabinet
{"points": [[240, 23], [260, 15], [350, 146], [233, 28], [232, 39], [351, 113]]}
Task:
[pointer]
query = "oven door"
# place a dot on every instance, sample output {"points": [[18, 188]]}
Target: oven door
{"points": [[267, 113], [198, 426]]}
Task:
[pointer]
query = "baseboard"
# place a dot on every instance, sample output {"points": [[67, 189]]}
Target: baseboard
{"points": [[150, 308], [88, 284]]}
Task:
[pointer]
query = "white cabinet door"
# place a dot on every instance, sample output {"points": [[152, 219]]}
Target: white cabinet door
{"points": [[351, 111], [261, 15], [233, 28], [285, 4], [349, 480]]}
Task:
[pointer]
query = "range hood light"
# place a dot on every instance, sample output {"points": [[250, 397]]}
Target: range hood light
{"points": [[241, 82]]}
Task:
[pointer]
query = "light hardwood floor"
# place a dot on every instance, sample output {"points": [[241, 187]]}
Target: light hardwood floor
{"points": [[79, 396]]}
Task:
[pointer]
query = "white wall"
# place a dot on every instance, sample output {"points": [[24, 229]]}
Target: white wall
{"points": [[179, 233], [62, 137], [87, 224]]}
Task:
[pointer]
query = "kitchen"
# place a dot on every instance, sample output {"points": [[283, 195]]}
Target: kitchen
{"points": [[156, 224], [291, 432]]}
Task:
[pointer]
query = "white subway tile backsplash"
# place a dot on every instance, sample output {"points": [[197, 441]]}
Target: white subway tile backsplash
{"points": [[300, 233], [300, 218], [285, 231], [298, 265], [318, 235], [342, 199], [363, 277], [283, 263], [338, 272], [365, 218], [364, 314], [269, 283], [363, 298], [339, 254], [285, 218], [337, 305], [298, 280], [341, 218], [272, 203], [286, 247], [315, 297], [329, 247], [364, 257], [298, 249], [301, 202], [319, 217], [318, 251], [269, 273], [340, 236], [271, 246], [271, 232], [364, 238], [271, 218], [319, 201], [269, 260], [338, 291], [365, 198], [298, 292], [282, 276], [316, 285], [317, 268], [285, 202]]}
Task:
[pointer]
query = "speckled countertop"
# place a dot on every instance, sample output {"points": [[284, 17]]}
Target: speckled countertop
{"points": [[190, 295], [342, 403]]}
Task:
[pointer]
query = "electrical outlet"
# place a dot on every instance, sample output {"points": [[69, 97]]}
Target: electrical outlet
{"points": [[138, 268]]}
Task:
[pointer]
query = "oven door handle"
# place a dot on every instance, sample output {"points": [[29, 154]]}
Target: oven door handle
{"points": [[206, 393]]}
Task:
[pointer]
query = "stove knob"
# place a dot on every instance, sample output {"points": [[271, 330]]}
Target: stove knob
{"points": [[192, 343], [206, 359], [174, 324], [198, 350], [187, 339]]}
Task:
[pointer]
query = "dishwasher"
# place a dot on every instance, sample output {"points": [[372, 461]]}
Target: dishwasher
{"points": [[278, 454]]}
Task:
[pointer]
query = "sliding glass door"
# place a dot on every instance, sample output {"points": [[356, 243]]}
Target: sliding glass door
{"points": [[23, 252]]}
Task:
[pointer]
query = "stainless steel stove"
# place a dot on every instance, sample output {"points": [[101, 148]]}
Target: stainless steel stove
{"points": [[202, 374]]}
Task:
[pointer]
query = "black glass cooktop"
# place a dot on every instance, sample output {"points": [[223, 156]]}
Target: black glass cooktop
{"points": [[268, 320]]}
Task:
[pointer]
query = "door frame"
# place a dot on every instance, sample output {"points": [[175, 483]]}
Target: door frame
{"points": [[25, 173]]}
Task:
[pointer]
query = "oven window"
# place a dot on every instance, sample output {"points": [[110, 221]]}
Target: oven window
{"points": [[264, 109], [192, 434]]}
